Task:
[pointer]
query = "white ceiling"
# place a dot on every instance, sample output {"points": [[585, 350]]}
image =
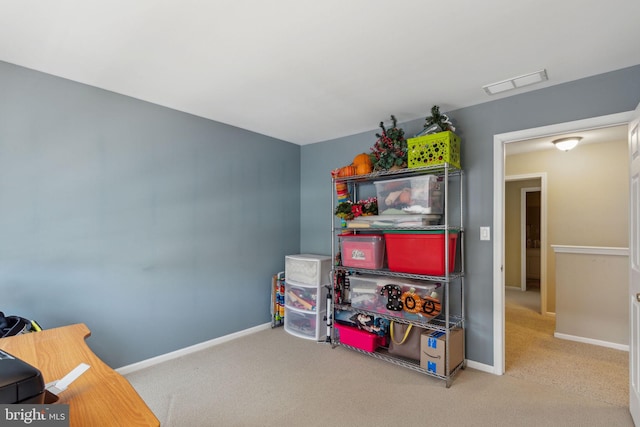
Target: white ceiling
{"points": [[306, 70]]}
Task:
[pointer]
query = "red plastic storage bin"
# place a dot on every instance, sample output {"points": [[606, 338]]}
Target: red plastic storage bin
{"points": [[419, 252], [360, 339], [362, 250]]}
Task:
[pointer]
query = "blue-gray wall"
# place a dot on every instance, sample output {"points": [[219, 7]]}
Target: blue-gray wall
{"points": [[600, 95], [160, 229], [156, 228]]}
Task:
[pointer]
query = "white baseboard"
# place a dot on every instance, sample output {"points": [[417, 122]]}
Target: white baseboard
{"points": [[613, 345], [124, 370], [188, 350], [481, 367]]}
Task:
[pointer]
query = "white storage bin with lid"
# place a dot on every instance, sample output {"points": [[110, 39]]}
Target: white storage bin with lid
{"points": [[307, 269], [414, 195]]}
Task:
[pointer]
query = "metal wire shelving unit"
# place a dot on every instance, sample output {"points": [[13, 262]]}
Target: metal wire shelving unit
{"points": [[450, 318]]}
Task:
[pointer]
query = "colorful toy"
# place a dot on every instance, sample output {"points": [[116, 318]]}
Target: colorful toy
{"points": [[342, 190], [299, 299]]}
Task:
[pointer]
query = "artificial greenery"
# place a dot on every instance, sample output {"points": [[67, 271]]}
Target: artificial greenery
{"points": [[349, 210], [390, 149], [343, 210], [437, 122]]}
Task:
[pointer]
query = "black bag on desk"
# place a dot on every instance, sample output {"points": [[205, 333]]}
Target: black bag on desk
{"points": [[16, 325], [19, 381], [405, 340]]}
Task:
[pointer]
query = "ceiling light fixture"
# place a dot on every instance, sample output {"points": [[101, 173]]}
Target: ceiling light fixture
{"points": [[566, 144], [516, 82]]}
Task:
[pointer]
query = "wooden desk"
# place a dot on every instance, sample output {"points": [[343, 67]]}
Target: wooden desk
{"points": [[100, 396]]}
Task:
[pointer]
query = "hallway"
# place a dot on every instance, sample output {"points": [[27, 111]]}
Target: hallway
{"points": [[532, 352]]}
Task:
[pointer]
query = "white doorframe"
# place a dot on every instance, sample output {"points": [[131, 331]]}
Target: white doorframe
{"points": [[498, 210], [634, 265]]}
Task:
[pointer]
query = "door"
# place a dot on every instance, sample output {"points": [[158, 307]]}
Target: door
{"points": [[634, 267], [530, 238]]}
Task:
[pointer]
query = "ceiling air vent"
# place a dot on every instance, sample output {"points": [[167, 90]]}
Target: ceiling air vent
{"points": [[516, 82]]}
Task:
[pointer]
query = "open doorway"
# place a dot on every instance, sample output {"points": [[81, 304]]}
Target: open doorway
{"points": [[524, 233], [500, 144], [529, 337]]}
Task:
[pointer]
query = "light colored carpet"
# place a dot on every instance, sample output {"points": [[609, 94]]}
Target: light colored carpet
{"points": [[532, 353], [271, 378]]}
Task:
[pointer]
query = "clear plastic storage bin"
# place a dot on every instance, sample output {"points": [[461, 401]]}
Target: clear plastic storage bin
{"points": [[305, 324], [395, 296], [414, 195], [362, 250]]}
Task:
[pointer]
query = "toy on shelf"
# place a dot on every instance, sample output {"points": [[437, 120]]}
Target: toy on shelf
{"points": [[277, 300], [303, 299]]}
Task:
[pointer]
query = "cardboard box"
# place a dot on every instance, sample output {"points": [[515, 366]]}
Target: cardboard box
{"points": [[432, 351]]}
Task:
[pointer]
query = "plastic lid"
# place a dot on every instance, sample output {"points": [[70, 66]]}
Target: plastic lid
{"points": [[420, 232]]}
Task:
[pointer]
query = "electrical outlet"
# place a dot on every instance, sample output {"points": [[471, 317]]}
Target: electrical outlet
{"points": [[485, 233]]}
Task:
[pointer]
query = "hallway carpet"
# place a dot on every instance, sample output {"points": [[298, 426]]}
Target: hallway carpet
{"points": [[532, 353]]}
